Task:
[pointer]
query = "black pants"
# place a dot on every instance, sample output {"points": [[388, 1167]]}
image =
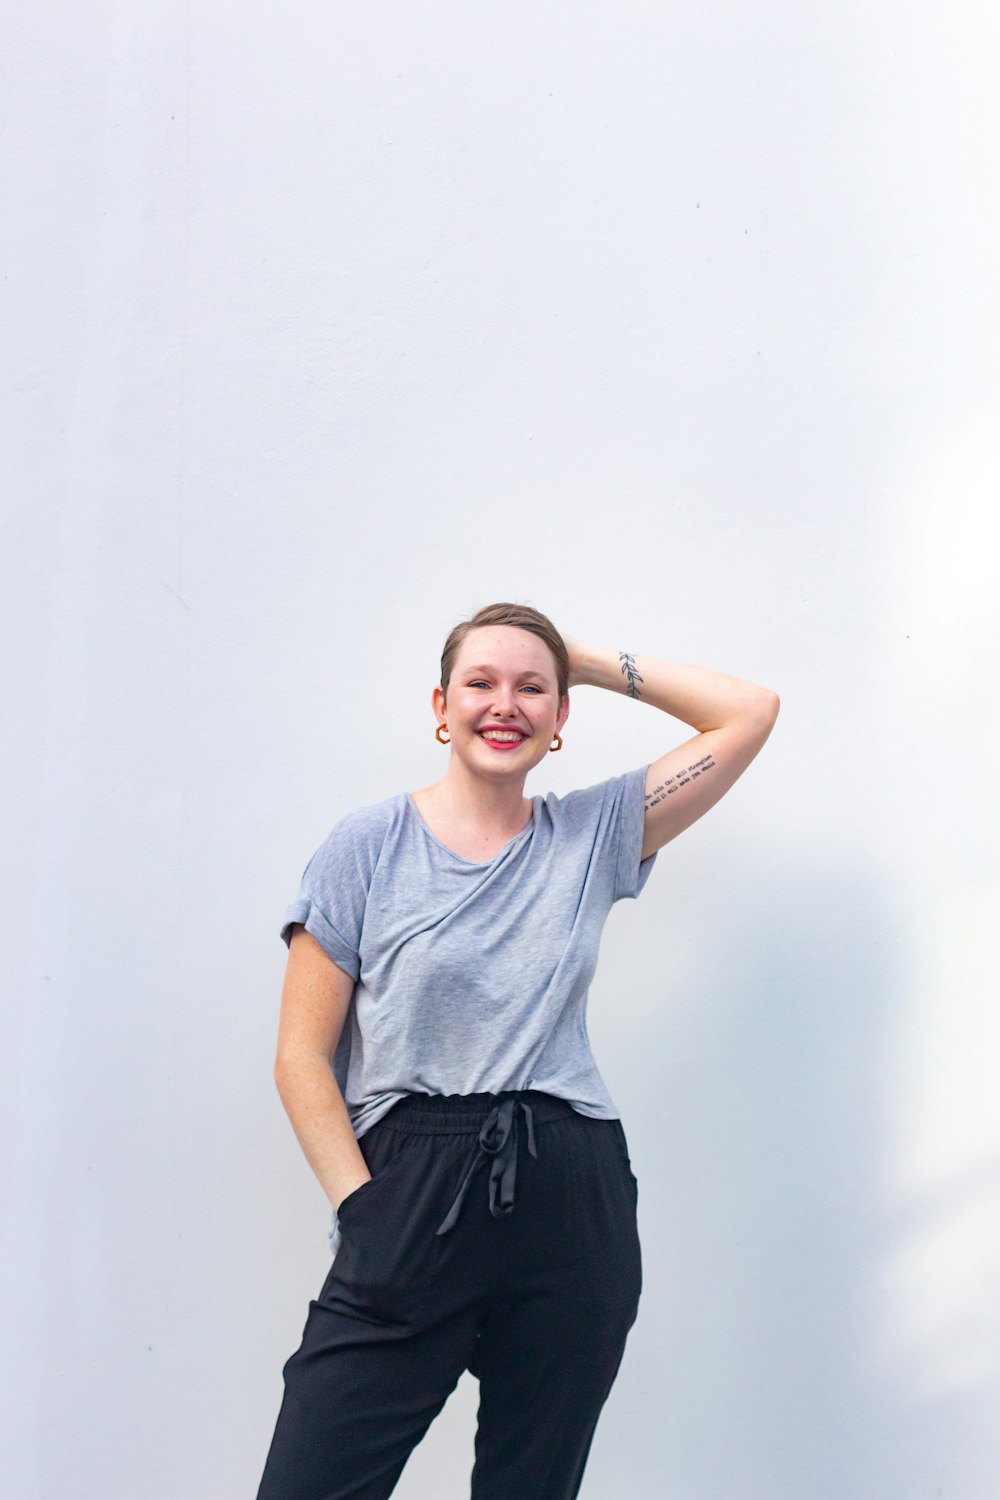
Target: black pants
{"points": [[497, 1234]]}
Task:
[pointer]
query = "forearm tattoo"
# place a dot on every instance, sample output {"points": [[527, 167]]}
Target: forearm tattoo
{"points": [[628, 671], [674, 783]]}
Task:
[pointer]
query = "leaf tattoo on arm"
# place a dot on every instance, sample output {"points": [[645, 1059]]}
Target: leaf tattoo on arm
{"points": [[629, 672]]}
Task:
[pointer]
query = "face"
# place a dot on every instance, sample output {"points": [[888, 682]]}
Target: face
{"points": [[502, 707]]}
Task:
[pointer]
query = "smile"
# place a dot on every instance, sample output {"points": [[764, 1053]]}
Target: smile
{"points": [[502, 736]]}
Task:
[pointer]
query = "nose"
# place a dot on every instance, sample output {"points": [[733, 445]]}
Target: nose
{"points": [[504, 704]]}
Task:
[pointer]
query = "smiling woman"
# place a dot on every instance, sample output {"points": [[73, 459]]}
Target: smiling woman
{"points": [[441, 949], [503, 700]]}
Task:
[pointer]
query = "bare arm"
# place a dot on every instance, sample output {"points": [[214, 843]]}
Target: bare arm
{"points": [[314, 1003], [733, 717]]}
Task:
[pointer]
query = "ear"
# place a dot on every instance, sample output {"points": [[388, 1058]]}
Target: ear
{"points": [[563, 713], [438, 705]]}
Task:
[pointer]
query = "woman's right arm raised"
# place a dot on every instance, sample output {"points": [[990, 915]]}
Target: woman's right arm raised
{"points": [[314, 1002]]}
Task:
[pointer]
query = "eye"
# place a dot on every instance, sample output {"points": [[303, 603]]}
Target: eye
{"points": [[529, 687], [479, 683]]}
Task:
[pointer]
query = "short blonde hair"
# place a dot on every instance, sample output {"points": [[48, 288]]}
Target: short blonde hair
{"points": [[522, 617]]}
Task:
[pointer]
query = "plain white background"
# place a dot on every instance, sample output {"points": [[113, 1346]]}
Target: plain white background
{"points": [[327, 325]]}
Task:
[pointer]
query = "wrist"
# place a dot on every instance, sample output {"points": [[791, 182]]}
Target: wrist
{"points": [[603, 667], [584, 663], [348, 1187]]}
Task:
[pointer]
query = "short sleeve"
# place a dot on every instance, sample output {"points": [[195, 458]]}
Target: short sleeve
{"points": [[632, 872], [333, 893]]}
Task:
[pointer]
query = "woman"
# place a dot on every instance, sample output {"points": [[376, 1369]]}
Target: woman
{"points": [[440, 952]]}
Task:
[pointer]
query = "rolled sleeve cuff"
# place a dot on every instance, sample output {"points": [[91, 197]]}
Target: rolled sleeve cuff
{"points": [[315, 923], [633, 872]]}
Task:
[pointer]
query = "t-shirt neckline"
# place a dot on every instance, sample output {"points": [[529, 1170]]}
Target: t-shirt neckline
{"points": [[476, 864]]}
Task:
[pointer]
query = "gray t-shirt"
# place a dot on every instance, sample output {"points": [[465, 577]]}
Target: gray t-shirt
{"points": [[472, 977]]}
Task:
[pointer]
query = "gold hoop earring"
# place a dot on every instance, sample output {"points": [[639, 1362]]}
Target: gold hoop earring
{"points": [[556, 744], [437, 735]]}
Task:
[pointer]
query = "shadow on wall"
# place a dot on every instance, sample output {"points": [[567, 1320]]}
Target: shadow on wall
{"points": [[757, 1115]]}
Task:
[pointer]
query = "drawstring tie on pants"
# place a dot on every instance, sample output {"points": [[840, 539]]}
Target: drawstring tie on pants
{"points": [[497, 1138]]}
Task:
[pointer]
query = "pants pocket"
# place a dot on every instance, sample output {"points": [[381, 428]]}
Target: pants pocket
{"points": [[375, 1184], [388, 1251], [609, 1269], [621, 1146]]}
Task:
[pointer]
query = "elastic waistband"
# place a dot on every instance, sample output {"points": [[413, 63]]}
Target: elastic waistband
{"points": [[463, 1114]]}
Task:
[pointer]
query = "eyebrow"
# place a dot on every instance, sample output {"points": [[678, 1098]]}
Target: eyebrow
{"points": [[483, 667]]}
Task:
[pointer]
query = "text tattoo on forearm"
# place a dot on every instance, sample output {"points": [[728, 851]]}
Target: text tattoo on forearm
{"points": [[631, 675], [674, 783]]}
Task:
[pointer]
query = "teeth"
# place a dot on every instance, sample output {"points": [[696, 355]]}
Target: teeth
{"points": [[500, 734]]}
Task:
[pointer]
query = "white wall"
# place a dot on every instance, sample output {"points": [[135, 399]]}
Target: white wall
{"points": [[328, 324]]}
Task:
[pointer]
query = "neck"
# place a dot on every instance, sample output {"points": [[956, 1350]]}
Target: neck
{"points": [[476, 800]]}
